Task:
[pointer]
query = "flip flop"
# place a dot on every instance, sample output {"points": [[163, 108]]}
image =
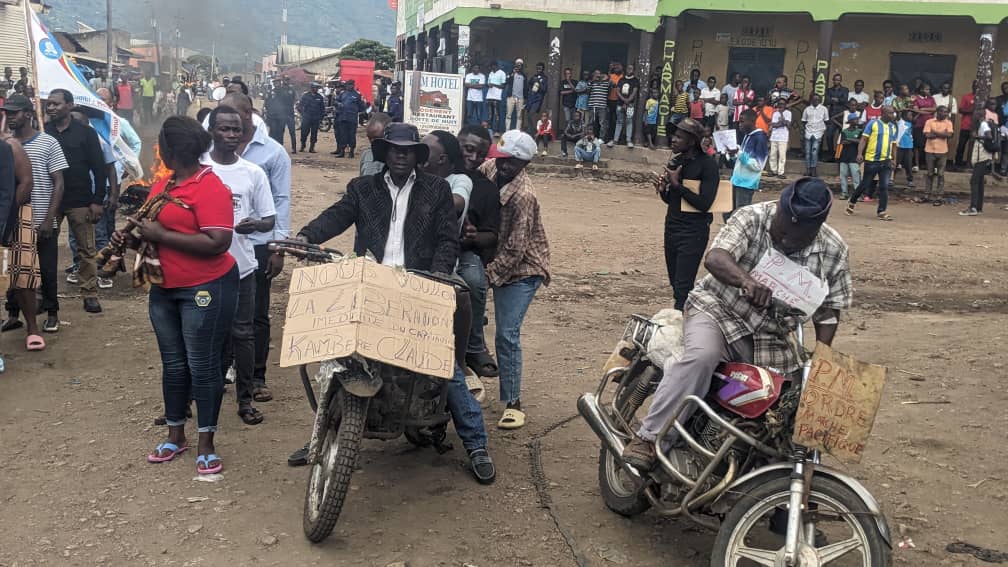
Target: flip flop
{"points": [[175, 450], [35, 342], [850, 209], [512, 419], [475, 386], [205, 460], [262, 394]]}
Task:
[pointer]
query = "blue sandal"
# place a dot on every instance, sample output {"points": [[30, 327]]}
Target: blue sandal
{"points": [[205, 460], [166, 446]]}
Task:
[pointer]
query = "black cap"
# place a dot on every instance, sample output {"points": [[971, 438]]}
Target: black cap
{"points": [[403, 135], [18, 102], [807, 201]]}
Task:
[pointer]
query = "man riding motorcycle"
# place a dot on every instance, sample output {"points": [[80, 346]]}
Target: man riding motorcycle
{"points": [[728, 315], [405, 217]]}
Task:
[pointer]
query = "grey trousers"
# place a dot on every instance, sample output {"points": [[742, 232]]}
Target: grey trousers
{"points": [[704, 347]]}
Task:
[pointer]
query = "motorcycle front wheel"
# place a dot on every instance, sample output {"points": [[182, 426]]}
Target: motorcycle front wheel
{"points": [[845, 531], [326, 125], [620, 492], [330, 475]]}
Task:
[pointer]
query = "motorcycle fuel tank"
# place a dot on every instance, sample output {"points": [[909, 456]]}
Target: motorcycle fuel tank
{"points": [[745, 389]]}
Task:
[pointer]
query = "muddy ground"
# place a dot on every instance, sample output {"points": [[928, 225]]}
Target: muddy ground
{"points": [[75, 420]]}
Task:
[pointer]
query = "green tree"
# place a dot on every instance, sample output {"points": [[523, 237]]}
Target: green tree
{"points": [[370, 50]]}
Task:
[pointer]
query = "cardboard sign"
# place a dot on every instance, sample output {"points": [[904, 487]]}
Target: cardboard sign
{"points": [[361, 307], [790, 282], [838, 405], [723, 201]]}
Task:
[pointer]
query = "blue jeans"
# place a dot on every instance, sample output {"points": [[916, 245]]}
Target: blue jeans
{"points": [[103, 229], [471, 270], [511, 302], [466, 413], [584, 155], [741, 197], [849, 169], [474, 112], [883, 170], [812, 151], [191, 325]]}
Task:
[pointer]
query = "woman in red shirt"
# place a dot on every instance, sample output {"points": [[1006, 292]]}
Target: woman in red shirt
{"points": [[191, 310], [124, 107]]}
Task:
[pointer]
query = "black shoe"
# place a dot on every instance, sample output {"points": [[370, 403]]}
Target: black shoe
{"points": [[339, 154], [481, 466], [302, 147], [351, 154], [91, 305], [311, 150], [335, 152], [52, 324], [298, 458]]}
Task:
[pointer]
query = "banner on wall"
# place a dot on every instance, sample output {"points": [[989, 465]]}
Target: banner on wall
{"points": [[435, 101]]}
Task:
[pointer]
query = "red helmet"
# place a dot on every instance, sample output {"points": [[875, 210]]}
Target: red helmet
{"points": [[746, 389]]}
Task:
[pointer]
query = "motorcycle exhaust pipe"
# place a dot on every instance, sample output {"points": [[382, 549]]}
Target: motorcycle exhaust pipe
{"points": [[589, 409]]}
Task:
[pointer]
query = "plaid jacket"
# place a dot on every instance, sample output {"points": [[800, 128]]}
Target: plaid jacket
{"points": [[431, 231], [522, 247], [747, 238]]}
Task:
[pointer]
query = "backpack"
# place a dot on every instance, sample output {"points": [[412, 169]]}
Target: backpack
{"points": [[992, 144]]}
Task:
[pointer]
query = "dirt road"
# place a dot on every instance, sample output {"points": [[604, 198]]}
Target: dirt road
{"points": [[75, 420]]}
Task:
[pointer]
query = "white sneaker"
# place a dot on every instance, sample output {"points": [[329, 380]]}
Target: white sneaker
{"points": [[72, 277], [105, 283], [231, 375], [629, 145], [611, 143], [543, 154]]}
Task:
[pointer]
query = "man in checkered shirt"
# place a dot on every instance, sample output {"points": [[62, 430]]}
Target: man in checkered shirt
{"points": [[728, 316]]}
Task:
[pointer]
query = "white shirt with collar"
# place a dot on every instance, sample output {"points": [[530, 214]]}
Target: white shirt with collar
{"points": [[395, 245]]}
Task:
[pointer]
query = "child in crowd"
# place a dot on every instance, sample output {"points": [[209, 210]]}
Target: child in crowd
{"points": [[707, 144], [651, 120], [906, 146], [780, 134], [544, 131], [850, 136], [581, 90], [696, 108], [588, 148], [486, 125], [723, 113]]}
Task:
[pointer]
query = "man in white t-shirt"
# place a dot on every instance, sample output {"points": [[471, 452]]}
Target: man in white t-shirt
{"points": [[814, 120], [780, 129], [253, 212], [711, 96], [494, 97], [474, 83]]}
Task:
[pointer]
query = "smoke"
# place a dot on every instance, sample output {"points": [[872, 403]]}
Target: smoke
{"points": [[234, 25]]}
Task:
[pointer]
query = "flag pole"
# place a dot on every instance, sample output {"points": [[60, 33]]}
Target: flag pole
{"points": [[33, 65]]}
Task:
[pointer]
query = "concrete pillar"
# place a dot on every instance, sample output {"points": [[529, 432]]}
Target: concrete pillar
{"points": [[820, 78], [644, 74], [432, 45], [665, 97], [451, 45], [985, 61], [420, 50], [553, 73]]}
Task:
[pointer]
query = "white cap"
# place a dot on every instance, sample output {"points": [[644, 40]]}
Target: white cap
{"points": [[519, 61], [514, 143]]}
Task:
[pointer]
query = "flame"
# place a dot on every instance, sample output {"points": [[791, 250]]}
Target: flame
{"points": [[159, 171]]}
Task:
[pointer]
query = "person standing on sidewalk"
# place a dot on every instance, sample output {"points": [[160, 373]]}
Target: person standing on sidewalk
{"points": [[877, 150], [937, 132], [814, 119], [627, 94], [780, 133], [966, 105], [253, 213], [81, 206], [985, 145], [521, 264], [516, 88], [257, 147]]}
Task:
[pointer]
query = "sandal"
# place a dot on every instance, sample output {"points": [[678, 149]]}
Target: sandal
{"points": [[937, 203], [205, 460], [850, 209], [476, 387], [884, 216], [482, 364], [250, 415], [512, 419], [262, 394], [35, 343], [11, 324], [174, 450]]}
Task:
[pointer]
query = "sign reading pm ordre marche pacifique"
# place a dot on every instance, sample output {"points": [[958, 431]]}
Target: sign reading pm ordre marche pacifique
{"points": [[434, 101]]}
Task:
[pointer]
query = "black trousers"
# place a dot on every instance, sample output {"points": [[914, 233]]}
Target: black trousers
{"points": [[611, 126], [346, 135], [289, 123], [239, 348], [48, 255], [260, 316], [684, 249], [309, 127], [977, 184], [276, 128]]}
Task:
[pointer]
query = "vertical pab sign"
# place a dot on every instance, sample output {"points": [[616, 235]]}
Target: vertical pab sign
{"points": [[435, 101]]}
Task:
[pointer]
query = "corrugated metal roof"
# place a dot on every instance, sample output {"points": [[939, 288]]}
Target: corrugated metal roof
{"points": [[290, 53]]}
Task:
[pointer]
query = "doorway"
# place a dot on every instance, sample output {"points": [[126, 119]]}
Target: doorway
{"points": [[598, 55], [762, 65], [934, 70]]}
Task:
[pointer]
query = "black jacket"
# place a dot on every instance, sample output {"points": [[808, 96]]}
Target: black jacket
{"points": [[312, 106], [431, 230]]}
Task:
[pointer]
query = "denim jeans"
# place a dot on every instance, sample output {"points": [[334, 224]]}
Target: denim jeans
{"points": [[191, 325], [511, 302], [466, 412], [473, 110], [584, 155], [240, 347], [812, 151], [624, 117], [471, 270], [883, 170], [741, 197], [853, 170]]}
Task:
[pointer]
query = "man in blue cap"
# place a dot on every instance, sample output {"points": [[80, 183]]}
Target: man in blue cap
{"points": [[728, 316]]}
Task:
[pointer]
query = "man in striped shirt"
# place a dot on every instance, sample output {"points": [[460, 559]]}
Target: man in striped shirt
{"points": [[877, 150], [598, 99]]}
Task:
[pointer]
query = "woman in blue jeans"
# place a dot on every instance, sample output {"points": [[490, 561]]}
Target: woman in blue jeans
{"points": [[187, 228]]}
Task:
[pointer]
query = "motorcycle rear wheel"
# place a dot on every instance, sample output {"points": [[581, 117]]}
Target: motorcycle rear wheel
{"points": [[326, 125], [742, 539], [330, 476]]}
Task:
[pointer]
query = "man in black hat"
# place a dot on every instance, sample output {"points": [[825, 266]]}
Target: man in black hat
{"points": [[312, 109], [729, 316], [407, 218]]}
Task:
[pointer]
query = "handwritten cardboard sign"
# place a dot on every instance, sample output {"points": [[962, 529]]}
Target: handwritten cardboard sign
{"points": [[838, 405], [790, 282], [361, 307]]}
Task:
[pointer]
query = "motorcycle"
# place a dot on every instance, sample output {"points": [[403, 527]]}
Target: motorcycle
{"points": [[328, 120], [733, 468], [359, 399]]}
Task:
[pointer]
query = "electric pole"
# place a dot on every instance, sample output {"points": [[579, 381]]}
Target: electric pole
{"points": [[108, 41]]}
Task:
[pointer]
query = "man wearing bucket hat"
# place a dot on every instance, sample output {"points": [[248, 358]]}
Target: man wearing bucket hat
{"points": [[689, 186], [728, 316], [405, 217], [521, 264]]}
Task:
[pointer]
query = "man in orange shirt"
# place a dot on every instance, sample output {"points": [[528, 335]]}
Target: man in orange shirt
{"points": [[764, 114], [937, 133], [615, 74]]}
